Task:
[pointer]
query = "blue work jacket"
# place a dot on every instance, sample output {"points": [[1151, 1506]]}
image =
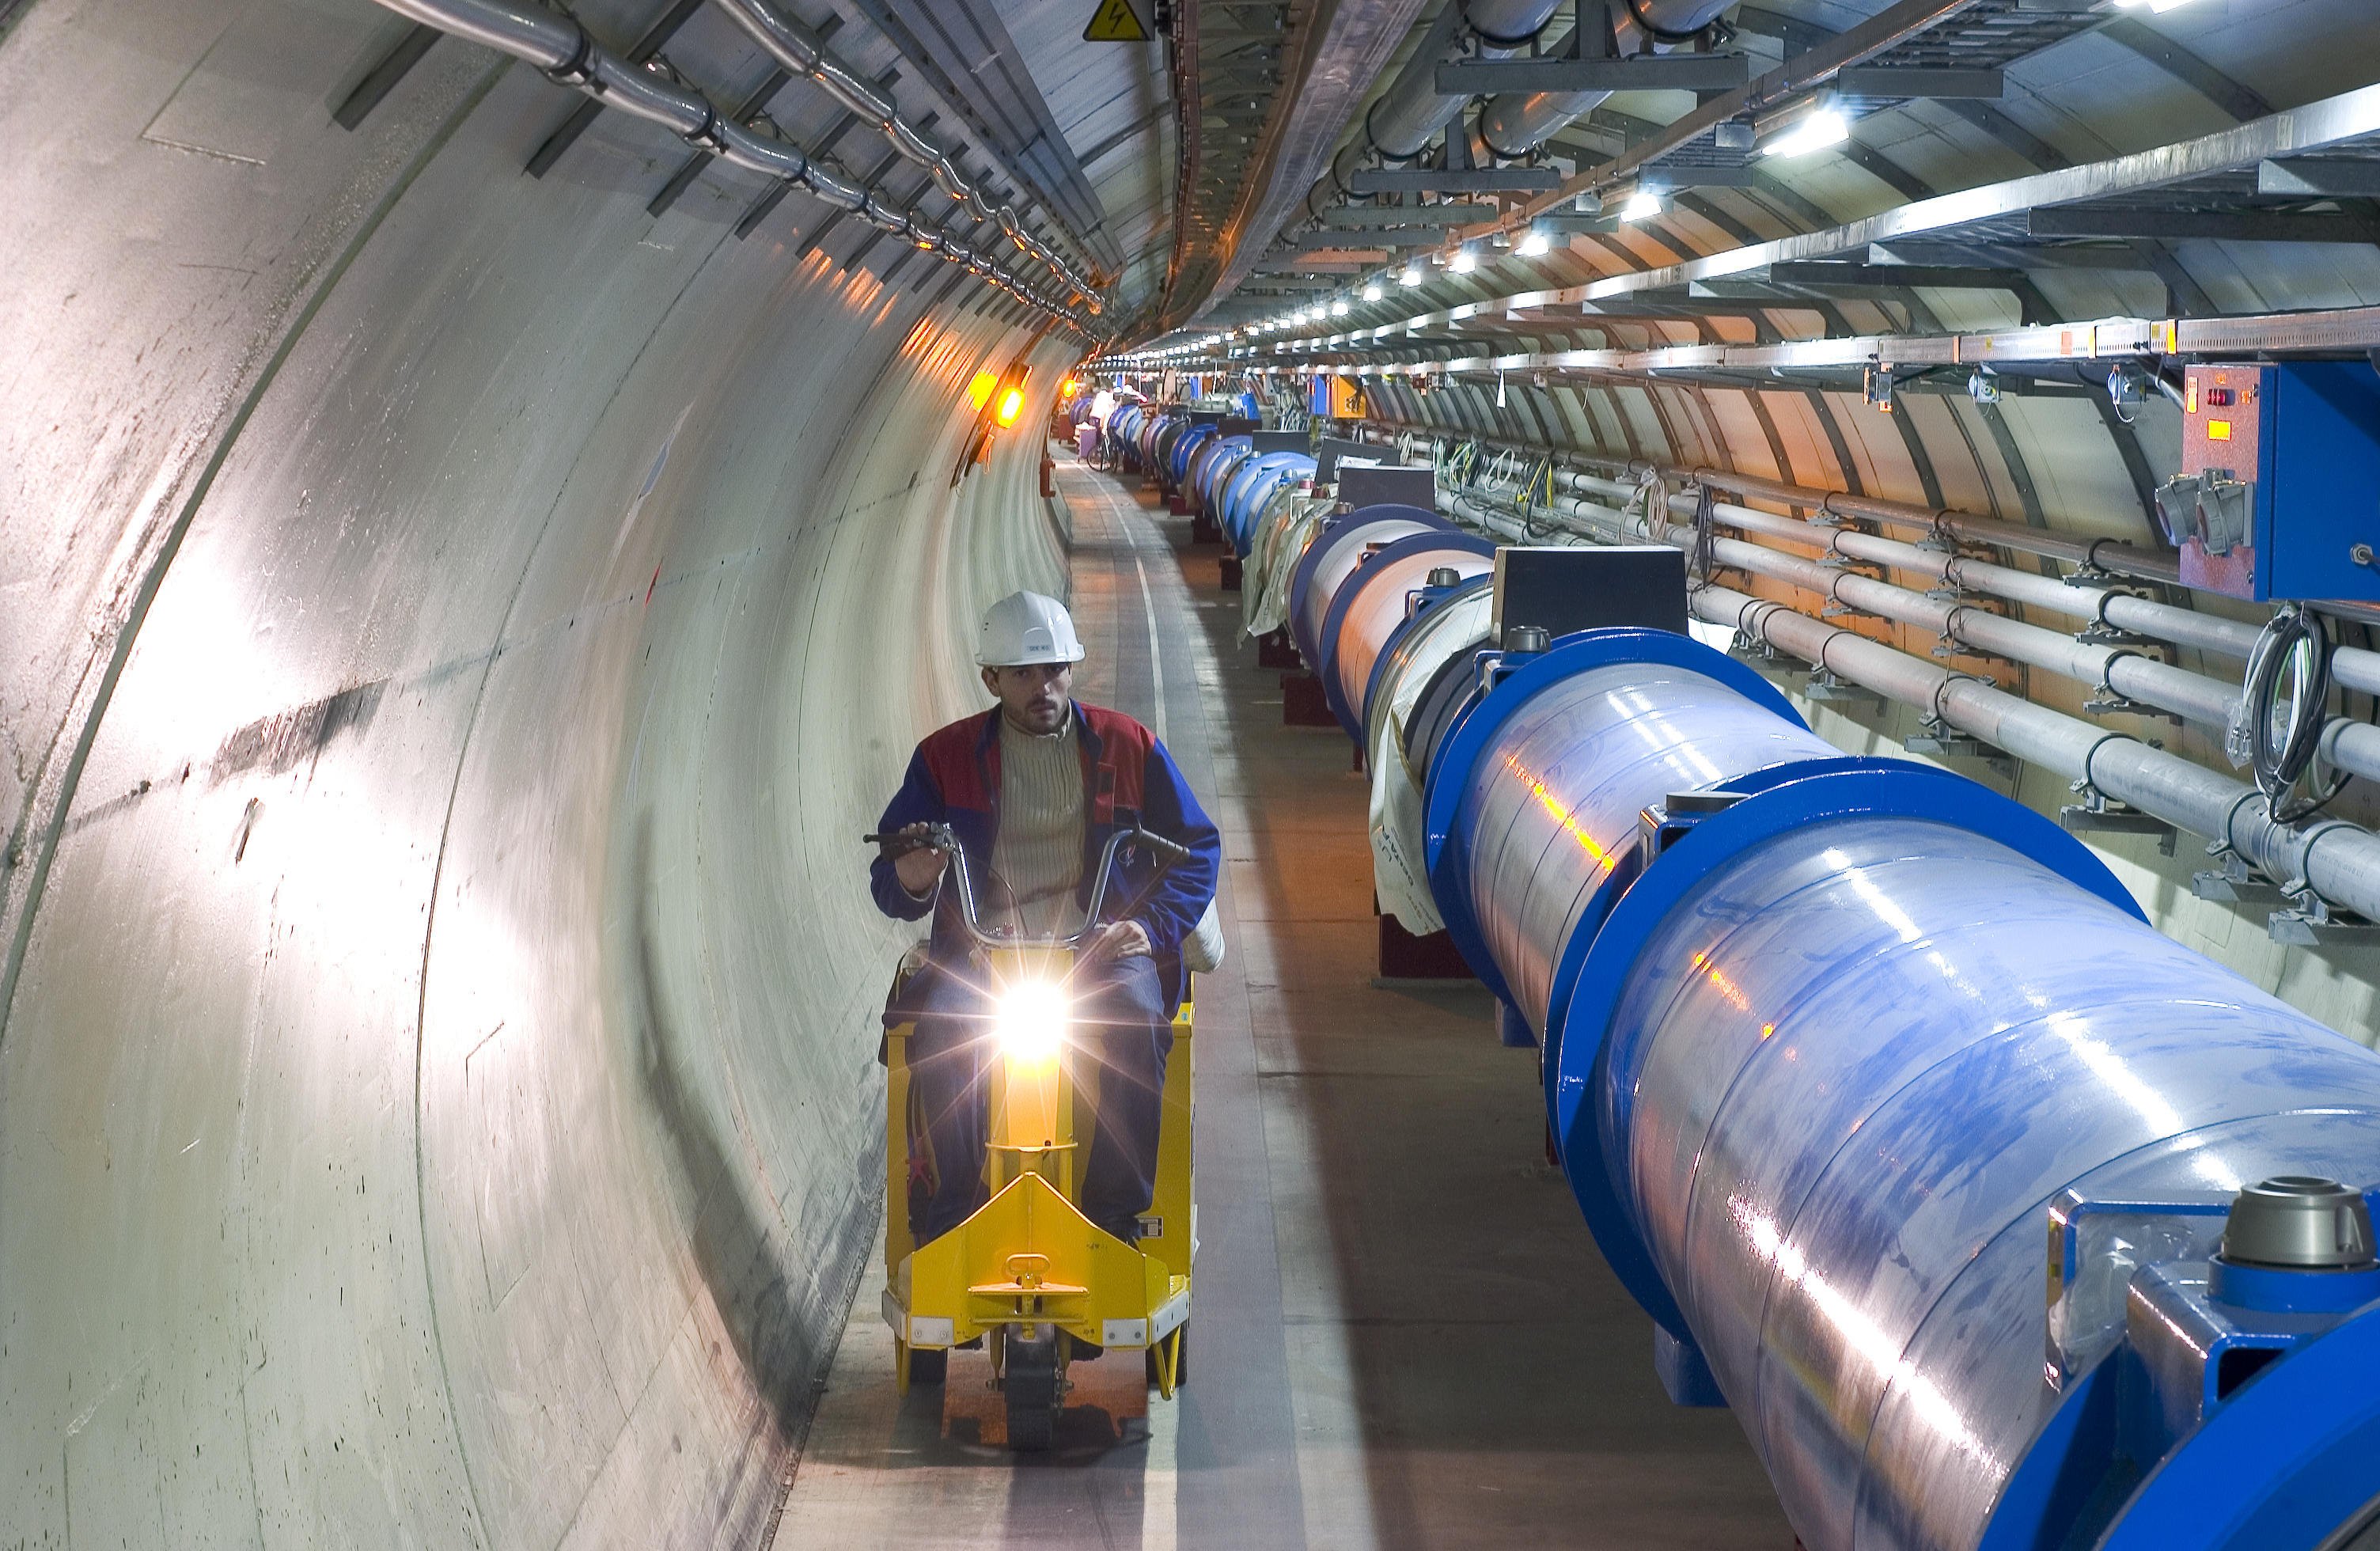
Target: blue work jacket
{"points": [[1128, 778]]}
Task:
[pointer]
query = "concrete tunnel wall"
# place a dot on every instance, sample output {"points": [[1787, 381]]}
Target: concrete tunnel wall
{"points": [[456, 629]]}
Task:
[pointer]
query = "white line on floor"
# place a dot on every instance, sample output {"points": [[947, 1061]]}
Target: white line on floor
{"points": [[1156, 658]]}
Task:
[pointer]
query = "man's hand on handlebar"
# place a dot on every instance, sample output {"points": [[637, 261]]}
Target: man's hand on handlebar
{"points": [[1117, 939], [920, 866]]}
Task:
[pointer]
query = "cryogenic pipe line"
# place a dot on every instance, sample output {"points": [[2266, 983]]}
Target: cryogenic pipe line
{"points": [[2337, 861], [558, 46], [803, 52], [2168, 786], [2353, 667], [2349, 744], [2141, 616], [2108, 554]]}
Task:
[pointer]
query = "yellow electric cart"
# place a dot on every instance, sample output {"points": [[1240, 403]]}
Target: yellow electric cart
{"points": [[1028, 1273]]}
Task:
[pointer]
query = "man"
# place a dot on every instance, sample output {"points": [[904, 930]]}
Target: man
{"points": [[1033, 789]]}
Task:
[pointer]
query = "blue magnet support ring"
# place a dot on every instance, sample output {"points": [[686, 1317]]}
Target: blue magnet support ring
{"points": [[1336, 532], [2286, 1461], [1270, 472], [1327, 669], [1464, 588], [1574, 953], [1814, 791], [1448, 776], [1253, 509], [1243, 485]]}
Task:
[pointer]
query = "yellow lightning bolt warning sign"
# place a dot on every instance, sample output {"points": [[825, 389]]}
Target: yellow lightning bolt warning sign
{"points": [[1115, 22]]}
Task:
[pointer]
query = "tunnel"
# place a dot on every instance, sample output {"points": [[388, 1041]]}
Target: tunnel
{"points": [[1774, 604]]}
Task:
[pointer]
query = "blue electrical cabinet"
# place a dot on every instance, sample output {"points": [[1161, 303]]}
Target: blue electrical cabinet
{"points": [[2280, 491]]}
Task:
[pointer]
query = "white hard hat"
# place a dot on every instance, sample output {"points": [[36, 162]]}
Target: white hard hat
{"points": [[1025, 627]]}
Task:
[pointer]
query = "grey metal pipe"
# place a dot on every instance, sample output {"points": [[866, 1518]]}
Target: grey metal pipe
{"points": [[557, 45], [2212, 703], [2354, 667], [2338, 861], [802, 52]]}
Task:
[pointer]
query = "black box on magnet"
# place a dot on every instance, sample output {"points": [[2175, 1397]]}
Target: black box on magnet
{"points": [[1360, 486], [1560, 588], [1331, 449]]}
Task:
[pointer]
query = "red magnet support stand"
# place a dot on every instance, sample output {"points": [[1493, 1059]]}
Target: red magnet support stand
{"points": [[1407, 957], [1274, 649], [1302, 702], [1203, 529]]}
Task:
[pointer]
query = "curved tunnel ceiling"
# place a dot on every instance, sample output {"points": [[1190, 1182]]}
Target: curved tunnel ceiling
{"points": [[469, 568]]}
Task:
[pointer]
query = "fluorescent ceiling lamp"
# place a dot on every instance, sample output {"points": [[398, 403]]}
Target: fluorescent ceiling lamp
{"points": [[1338, 306], [1642, 204], [1535, 244], [1371, 290], [1825, 127], [1411, 275], [1465, 259]]}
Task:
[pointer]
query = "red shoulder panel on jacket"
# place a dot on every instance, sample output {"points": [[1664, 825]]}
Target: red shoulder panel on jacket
{"points": [[1124, 748], [950, 755]]}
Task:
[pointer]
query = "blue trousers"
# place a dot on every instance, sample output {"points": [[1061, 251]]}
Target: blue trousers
{"points": [[1119, 1029]]}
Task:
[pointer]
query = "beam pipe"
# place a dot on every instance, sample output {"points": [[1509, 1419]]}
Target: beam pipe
{"points": [[1820, 1068]]}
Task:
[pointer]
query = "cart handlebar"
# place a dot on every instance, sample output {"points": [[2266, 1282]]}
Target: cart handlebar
{"points": [[940, 837]]}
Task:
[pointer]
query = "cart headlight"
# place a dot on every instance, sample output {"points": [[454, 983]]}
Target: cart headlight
{"points": [[1030, 1018]]}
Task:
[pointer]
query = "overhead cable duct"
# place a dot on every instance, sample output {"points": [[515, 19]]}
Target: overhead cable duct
{"points": [[1516, 123], [560, 47], [803, 52], [1406, 117]]}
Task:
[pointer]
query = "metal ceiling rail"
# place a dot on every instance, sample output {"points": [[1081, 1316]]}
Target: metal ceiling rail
{"points": [[2329, 123], [2352, 328], [803, 52], [569, 55], [1812, 67]]}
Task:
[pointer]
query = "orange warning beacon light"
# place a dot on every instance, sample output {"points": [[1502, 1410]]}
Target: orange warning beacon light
{"points": [[1012, 405]]}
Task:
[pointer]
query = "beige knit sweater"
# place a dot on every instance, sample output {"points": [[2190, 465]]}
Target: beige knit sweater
{"points": [[1038, 852]]}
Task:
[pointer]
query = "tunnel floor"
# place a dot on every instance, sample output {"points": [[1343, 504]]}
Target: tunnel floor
{"points": [[1402, 1334]]}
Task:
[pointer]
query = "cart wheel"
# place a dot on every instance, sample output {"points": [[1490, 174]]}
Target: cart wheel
{"points": [[928, 1365], [1031, 1387]]}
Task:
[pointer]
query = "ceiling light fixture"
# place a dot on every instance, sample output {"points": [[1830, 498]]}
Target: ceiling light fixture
{"points": [[1643, 203], [1822, 128], [1338, 306], [1411, 275], [1372, 290], [1536, 244], [1465, 259]]}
